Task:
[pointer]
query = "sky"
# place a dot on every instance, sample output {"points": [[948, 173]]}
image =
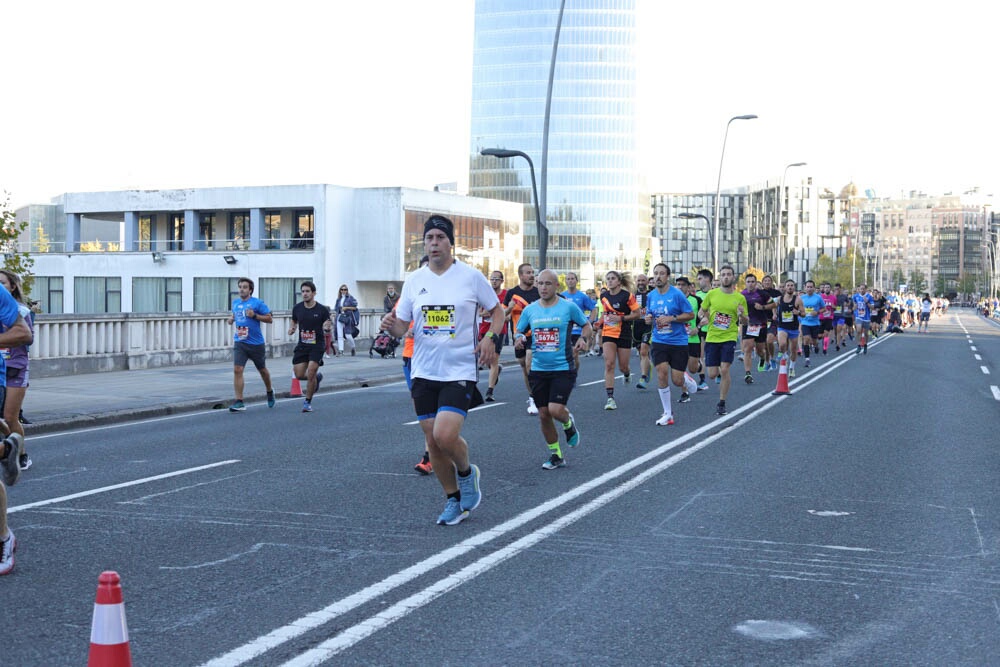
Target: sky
{"points": [[108, 95]]}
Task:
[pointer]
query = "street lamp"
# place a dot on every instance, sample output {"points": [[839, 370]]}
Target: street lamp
{"points": [[708, 224], [780, 259], [541, 229], [718, 190]]}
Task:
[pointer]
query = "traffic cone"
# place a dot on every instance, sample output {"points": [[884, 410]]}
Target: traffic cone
{"points": [[108, 632], [296, 388], [782, 388]]}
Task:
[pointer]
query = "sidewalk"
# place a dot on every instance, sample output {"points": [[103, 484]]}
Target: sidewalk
{"points": [[91, 399]]}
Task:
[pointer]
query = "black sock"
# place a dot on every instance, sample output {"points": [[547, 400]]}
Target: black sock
{"points": [[427, 458], [457, 495], [468, 471], [808, 347], [6, 449], [610, 392], [701, 376]]}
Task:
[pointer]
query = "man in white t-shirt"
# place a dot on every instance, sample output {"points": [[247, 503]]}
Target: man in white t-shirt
{"points": [[443, 300]]}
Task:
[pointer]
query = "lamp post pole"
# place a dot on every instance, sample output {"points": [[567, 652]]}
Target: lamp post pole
{"points": [[780, 259], [543, 243], [708, 224], [718, 190], [541, 230]]}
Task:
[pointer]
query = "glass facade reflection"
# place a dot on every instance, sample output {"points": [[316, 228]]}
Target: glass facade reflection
{"points": [[484, 243], [598, 215]]}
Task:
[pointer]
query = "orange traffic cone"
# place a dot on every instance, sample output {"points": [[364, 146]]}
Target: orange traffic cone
{"points": [[296, 388], [782, 388], [108, 631]]}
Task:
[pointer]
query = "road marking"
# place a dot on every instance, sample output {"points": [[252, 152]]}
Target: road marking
{"points": [[256, 647], [115, 487], [587, 384], [475, 409], [996, 391], [978, 358], [973, 348], [985, 370]]}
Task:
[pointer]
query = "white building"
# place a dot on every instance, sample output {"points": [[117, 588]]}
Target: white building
{"points": [[167, 251]]}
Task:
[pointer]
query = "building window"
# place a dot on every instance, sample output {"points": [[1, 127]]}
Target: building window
{"points": [[272, 230], [97, 295], [206, 231], [212, 295], [282, 293], [304, 230], [147, 232], [48, 292], [156, 295], [177, 231], [239, 230]]}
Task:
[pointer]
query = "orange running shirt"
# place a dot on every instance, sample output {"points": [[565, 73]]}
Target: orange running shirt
{"points": [[622, 304]]}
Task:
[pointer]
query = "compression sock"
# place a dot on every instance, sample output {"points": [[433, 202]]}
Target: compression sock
{"points": [[665, 400]]}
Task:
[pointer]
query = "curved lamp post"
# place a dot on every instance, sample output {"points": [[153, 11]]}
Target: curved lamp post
{"points": [[718, 190], [780, 260], [542, 230], [708, 223]]}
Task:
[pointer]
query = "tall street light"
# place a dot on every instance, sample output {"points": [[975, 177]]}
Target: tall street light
{"points": [[780, 259], [718, 190], [541, 229], [708, 223]]}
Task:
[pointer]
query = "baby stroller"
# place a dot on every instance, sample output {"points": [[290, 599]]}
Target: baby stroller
{"points": [[384, 345]]}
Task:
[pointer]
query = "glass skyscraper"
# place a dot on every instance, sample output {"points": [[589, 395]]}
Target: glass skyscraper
{"points": [[598, 214]]}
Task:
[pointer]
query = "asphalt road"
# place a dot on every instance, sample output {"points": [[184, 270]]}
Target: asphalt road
{"points": [[853, 522]]}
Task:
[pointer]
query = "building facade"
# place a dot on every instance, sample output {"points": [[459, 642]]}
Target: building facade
{"points": [[171, 251], [597, 214]]}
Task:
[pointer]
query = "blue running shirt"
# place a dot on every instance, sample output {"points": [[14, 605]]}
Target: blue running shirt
{"points": [[550, 333], [673, 302]]}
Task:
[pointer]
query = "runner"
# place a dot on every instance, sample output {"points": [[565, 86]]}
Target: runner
{"points": [[515, 301], [704, 278], [863, 302], [584, 303], [827, 314], [248, 341], [443, 300], [925, 313], [724, 310], [694, 365], [812, 306], [496, 282], [16, 333], [759, 304], [770, 346], [787, 315], [17, 361], [667, 313], [878, 312], [553, 371], [845, 317], [423, 466], [619, 307], [641, 331], [313, 320]]}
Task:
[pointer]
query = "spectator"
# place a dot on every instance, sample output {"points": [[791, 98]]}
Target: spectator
{"points": [[347, 319], [17, 366], [391, 297]]}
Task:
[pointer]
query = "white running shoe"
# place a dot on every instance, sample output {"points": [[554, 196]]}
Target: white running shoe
{"points": [[532, 409], [665, 420]]}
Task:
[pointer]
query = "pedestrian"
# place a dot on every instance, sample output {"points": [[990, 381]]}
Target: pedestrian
{"points": [[17, 362], [348, 319], [620, 310], [248, 341], [15, 333], [515, 301], [443, 300], [553, 364], [667, 313], [723, 310], [390, 298], [925, 313], [485, 322], [312, 319]]}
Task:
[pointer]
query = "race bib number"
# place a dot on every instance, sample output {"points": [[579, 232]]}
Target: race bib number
{"points": [[307, 337], [546, 340], [787, 316], [722, 320], [753, 329], [689, 329], [810, 311], [439, 320], [242, 333]]}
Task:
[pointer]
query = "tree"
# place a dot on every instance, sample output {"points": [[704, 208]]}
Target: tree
{"points": [[918, 281], [967, 285], [897, 278], [940, 285], [824, 270], [14, 260]]}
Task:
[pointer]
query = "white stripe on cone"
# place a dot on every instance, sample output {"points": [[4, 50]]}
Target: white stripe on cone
{"points": [[108, 626]]}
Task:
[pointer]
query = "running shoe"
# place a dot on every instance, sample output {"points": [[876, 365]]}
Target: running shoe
{"points": [[453, 513], [665, 420], [824, 352], [611, 405], [761, 366], [641, 384], [424, 467], [791, 371], [532, 408], [774, 365], [572, 435], [748, 378], [718, 379], [627, 379], [270, 399], [7, 549], [319, 378], [807, 362], [307, 406], [858, 350], [469, 486], [703, 386], [865, 348], [720, 409], [9, 463], [24, 462], [685, 397], [489, 396], [238, 406], [555, 461]]}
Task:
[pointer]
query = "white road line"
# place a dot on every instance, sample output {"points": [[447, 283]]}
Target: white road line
{"points": [[114, 487], [996, 391], [475, 409], [973, 348], [309, 622], [985, 370], [978, 358]]}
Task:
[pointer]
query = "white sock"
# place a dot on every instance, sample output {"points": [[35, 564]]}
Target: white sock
{"points": [[665, 400]]}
